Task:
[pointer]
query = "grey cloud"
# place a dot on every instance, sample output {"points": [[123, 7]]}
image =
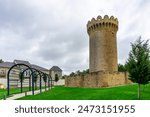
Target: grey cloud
{"points": [[68, 49], [54, 32]]}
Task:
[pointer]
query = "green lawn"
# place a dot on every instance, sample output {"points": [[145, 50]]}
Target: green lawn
{"points": [[14, 91], [2, 92], [128, 92]]}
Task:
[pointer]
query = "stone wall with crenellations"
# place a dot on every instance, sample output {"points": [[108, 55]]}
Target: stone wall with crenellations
{"points": [[103, 44], [98, 79], [103, 60]]}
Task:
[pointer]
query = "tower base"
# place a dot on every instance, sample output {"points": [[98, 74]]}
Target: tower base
{"points": [[98, 79]]}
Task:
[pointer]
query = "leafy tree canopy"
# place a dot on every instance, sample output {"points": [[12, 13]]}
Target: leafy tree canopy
{"points": [[138, 64], [78, 72], [1, 61], [35, 77], [121, 68], [56, 78], [45, 78]]}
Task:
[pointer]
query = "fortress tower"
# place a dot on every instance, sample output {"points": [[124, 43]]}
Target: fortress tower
{"points": [[103, 44], [103, 56]]}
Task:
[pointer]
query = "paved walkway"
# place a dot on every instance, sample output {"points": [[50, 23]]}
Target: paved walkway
{"points": [[16, 96]]}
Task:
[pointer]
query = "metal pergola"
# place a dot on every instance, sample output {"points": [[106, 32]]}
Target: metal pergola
{"points": [[46, 78]]}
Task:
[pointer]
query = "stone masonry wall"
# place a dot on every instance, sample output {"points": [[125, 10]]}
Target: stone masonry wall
{"points": [[98, 79], [103, 44]]}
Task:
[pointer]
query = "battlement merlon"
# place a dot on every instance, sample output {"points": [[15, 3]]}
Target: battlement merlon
{"points": [[101, 23]]}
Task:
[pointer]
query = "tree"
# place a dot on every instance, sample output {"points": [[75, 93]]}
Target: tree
{"points": [[121, 68], [63, 77], [21, 77], [56, 78], [72, 74], [35, 77], [45, 80], [84, 72], [78, 72], [138, 64], [1, 61], [87, 71], [44, 77]]}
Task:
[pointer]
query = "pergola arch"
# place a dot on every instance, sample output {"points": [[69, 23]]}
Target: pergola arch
{"points": [[33, 70], [8, 74]]}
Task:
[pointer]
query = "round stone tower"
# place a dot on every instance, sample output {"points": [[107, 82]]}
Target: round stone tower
{"points": [[103, 44]]}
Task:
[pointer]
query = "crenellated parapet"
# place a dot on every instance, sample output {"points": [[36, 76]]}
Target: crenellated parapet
{"points": [[102, 23]]}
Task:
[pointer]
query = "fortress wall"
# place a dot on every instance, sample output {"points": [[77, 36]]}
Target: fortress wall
{"points": [[98, 79], [103, 65], [117, 78], [90, 80], [75, 81]]}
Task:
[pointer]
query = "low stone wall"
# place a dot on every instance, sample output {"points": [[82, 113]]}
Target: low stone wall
{"points": [[98, 79], [60, 82]]}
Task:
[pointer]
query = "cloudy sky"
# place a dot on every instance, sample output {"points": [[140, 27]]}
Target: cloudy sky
{"points": [[53, 32]]}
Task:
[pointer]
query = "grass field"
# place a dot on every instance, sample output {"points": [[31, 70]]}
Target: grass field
{"points": [[128, 92], [14, 91]]}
